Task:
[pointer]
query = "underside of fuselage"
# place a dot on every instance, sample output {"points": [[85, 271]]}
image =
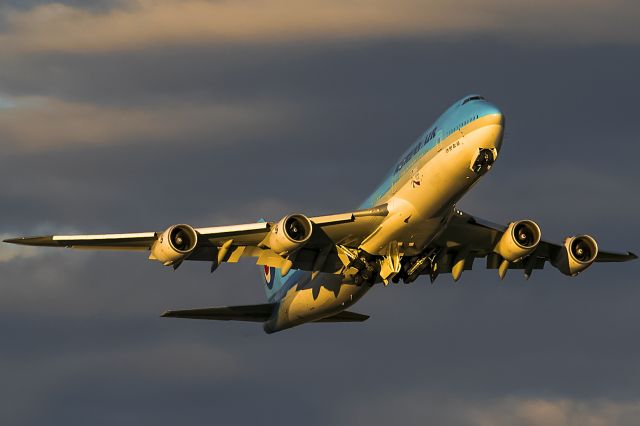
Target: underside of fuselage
{"points": [[308, 297]]}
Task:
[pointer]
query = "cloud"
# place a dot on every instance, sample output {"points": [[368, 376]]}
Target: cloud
{"points": [[6, 103], [554, 412], [9, 252], [140, 23], [512, 411], [62, 123], [159, 361], [146, 22], [192, 361], [77, 323]]}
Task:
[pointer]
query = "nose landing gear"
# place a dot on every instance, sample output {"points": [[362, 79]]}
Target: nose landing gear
{"points": [[483, 161]]}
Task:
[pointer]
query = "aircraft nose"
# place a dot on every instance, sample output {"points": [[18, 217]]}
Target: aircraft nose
{"points": [[492, 120], [489, 109]]}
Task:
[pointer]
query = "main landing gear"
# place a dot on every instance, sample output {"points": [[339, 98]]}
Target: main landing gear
{"points": [[484, 161], [367, 269]]}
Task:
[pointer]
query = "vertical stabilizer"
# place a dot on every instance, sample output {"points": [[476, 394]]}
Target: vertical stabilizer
{"points": [[273, 280]]}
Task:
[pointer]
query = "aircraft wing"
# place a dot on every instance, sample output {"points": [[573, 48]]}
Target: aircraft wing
{"points": [[474, 238], [230, 243]]}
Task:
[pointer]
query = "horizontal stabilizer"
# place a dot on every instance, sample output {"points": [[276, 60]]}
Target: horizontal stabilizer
{"points": [[345, 316], [252, 313]]}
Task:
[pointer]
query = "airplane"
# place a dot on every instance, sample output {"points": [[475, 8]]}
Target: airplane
{"points": [[314, 268]]}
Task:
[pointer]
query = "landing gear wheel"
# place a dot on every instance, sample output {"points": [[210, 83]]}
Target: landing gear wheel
{"points": [[484, 161], [358, 263], [368, 273], [358, 280]]}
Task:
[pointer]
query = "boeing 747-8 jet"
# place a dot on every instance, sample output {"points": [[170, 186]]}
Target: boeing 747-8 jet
{"points": [[317, 267]]}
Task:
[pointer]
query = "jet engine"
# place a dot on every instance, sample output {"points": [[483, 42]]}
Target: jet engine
{"points": [[174, 244], [576, 255], [520, 239], [291, 233]]}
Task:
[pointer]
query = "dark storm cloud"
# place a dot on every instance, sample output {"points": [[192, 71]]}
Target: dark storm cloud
{"points": [[55, 27], [554, 109], [92, 5], [83, 343]]}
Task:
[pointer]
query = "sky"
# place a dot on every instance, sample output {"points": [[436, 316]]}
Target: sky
{"points": [[132, 115]]}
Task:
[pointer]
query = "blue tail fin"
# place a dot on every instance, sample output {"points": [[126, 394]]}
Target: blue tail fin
{"points": [[274, 281], [273, 278]]}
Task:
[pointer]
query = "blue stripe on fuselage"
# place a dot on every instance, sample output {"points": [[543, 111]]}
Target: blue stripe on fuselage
{"points": [[458, 115]]}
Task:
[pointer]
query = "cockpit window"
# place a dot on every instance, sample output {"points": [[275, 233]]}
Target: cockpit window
{"points": [[472, 98]]}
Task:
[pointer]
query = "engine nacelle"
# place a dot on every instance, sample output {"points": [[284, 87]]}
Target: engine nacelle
{"points": [[520, 239], [576, 255], [174, 244], [290, 234]]}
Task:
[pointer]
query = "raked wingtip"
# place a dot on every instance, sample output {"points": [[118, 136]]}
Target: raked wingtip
{"points": [[33, 241]]}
